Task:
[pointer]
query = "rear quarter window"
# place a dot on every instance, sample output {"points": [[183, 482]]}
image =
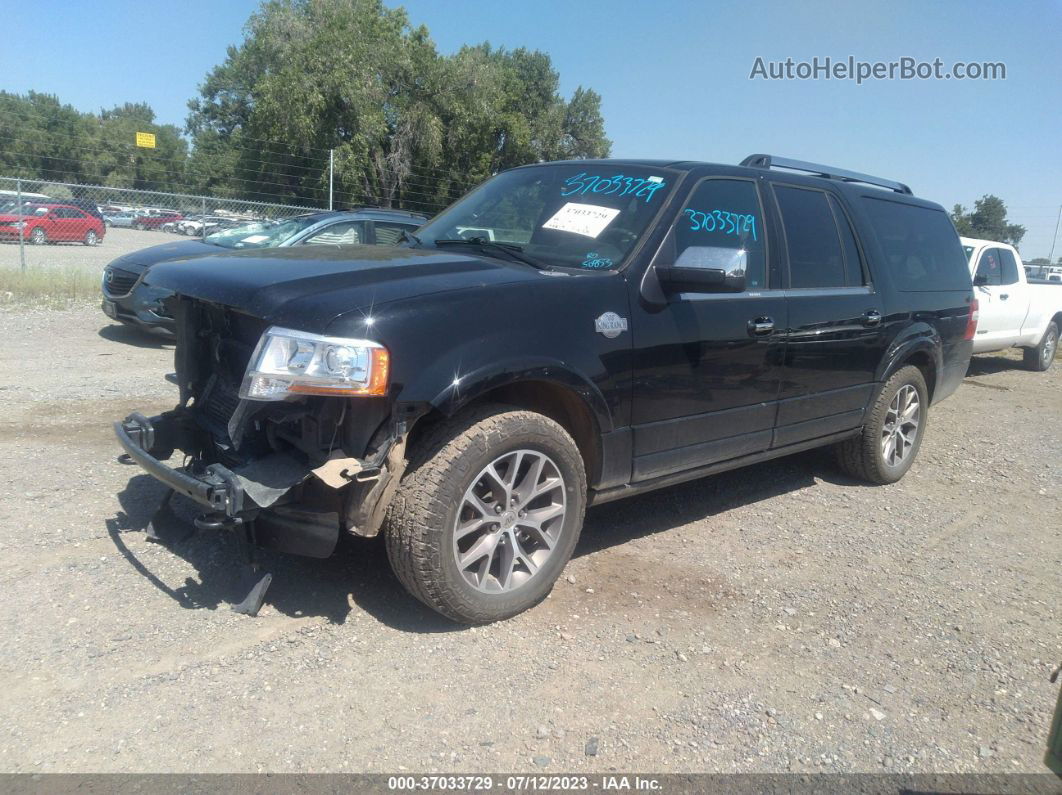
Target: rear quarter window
{"points": [[922, 250]]}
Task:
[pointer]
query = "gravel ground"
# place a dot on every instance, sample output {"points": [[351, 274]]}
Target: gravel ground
{"points": [[772, 619], [93, 258]]}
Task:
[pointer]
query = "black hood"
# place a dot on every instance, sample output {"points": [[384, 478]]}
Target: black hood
{"points": [[138, 261], [308, 287]]}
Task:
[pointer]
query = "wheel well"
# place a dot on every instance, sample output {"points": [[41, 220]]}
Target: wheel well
{"points": [[924, 362], [560, 404]]}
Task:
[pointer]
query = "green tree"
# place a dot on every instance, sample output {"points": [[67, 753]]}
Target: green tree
{"points": [[987, 220], [46, 140], [409, 127]]}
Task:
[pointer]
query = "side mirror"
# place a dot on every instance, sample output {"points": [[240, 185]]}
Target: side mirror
{"points": [[705, 269], [980, 280]]}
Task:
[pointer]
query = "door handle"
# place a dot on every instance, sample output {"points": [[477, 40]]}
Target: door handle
{"points": [[761, 327], [871, 317], [1004, 296]]}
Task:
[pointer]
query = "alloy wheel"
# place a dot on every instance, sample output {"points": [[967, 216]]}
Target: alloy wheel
{"points": [[901, 425], [1048, 352], [510, 521]]}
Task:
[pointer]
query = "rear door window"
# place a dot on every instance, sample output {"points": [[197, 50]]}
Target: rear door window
{"points": [[812, 239], [921, 247], [347, 233], [853, 263], [1008, 266], [389, 233], [989, 268]]}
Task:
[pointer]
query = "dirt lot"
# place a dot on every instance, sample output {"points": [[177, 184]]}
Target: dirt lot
{"points": [[115, 243], [777, 618]]}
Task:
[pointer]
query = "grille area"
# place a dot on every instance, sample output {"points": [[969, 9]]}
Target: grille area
{"points": [[118, 282], [219, 405]]}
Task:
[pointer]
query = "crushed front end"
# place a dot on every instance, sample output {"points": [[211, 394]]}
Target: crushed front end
{"points": [[284, 436]]}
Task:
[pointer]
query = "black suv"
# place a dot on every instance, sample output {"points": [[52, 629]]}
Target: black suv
{"points": [[566, 334]]}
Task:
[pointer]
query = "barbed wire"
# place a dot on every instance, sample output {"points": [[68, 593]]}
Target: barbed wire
{"points": [[412, 176], [229, 140], [433, 195]]}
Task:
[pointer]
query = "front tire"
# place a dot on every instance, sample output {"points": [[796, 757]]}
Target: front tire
{"points": [[487, 514], [1042, 356], [91, 238], [893, 431]]}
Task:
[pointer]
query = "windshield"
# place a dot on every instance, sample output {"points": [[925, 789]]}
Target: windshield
{"points": [[261, 234], [577, 216], [969, 251]]}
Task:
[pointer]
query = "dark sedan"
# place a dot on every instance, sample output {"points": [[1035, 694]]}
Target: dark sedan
{"points": [[127, 299]]}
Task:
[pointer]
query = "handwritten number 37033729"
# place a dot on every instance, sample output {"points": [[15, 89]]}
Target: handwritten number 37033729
{"points": [[616, 185], [722, 221]]}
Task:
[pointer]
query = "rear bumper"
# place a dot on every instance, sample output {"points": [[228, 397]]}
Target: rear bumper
{"points": [[216, 488]]}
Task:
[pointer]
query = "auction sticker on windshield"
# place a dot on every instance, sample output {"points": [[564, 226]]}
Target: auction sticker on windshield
{"points": [[255, 239], [581, 219]]}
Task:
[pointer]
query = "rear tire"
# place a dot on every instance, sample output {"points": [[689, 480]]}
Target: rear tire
{"points": [[1041, 357], [892, 433], [462, 541], [38, 236]]}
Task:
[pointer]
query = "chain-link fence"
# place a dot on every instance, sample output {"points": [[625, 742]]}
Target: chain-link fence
{"points": [[39, 211]]}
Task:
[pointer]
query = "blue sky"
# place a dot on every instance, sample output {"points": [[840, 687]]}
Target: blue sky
{"points": [[674, 77]]}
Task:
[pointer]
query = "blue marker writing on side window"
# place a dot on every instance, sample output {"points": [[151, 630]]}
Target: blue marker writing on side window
{"points": [[722, 221], [594, 260], [616, 185]]}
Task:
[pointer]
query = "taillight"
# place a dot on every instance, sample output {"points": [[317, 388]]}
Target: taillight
{"points": [[971, 321]]}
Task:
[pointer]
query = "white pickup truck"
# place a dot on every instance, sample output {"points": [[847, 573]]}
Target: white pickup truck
{"points": [[1012, 310]]}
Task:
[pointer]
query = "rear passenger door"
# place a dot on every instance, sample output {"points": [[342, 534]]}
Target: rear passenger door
{"points": [[68, 224], [837, 332]]}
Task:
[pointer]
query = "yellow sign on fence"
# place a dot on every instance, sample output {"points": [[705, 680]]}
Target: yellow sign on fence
{"points": [[146, 140]]}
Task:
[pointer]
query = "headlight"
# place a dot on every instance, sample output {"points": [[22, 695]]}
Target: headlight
{"points": [[288, 362]]}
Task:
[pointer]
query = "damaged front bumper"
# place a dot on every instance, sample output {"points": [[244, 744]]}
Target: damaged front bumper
{"points": [[216, 488], [293, 507]]}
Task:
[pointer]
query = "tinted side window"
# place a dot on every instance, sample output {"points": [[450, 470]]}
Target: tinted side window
{"points": [[922, 249], [389, 233], [815, 258], [1009, 266], [853, 263], [989, 269], [344, 234], [722, 227]]}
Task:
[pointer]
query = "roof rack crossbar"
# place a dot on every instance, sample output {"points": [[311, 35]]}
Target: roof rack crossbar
{"points": [[829, 172]]}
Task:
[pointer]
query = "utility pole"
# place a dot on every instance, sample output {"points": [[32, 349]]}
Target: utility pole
{"points": [[22, 229], [331, 174], [1051, 256]]}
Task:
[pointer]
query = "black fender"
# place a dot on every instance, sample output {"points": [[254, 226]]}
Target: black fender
{"points": [[918, 338], [466, 388]]}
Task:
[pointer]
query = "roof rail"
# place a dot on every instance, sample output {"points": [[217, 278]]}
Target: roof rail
{"points": [[829, 172]]}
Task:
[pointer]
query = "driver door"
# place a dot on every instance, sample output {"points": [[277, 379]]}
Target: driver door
{"points": [[708, 366]]}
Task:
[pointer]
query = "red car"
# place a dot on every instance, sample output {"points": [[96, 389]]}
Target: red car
{"points": [[52, 223], [157, 220]]}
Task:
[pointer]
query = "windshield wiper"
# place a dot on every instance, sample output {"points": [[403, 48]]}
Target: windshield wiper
{"points": [[512, 249]]}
